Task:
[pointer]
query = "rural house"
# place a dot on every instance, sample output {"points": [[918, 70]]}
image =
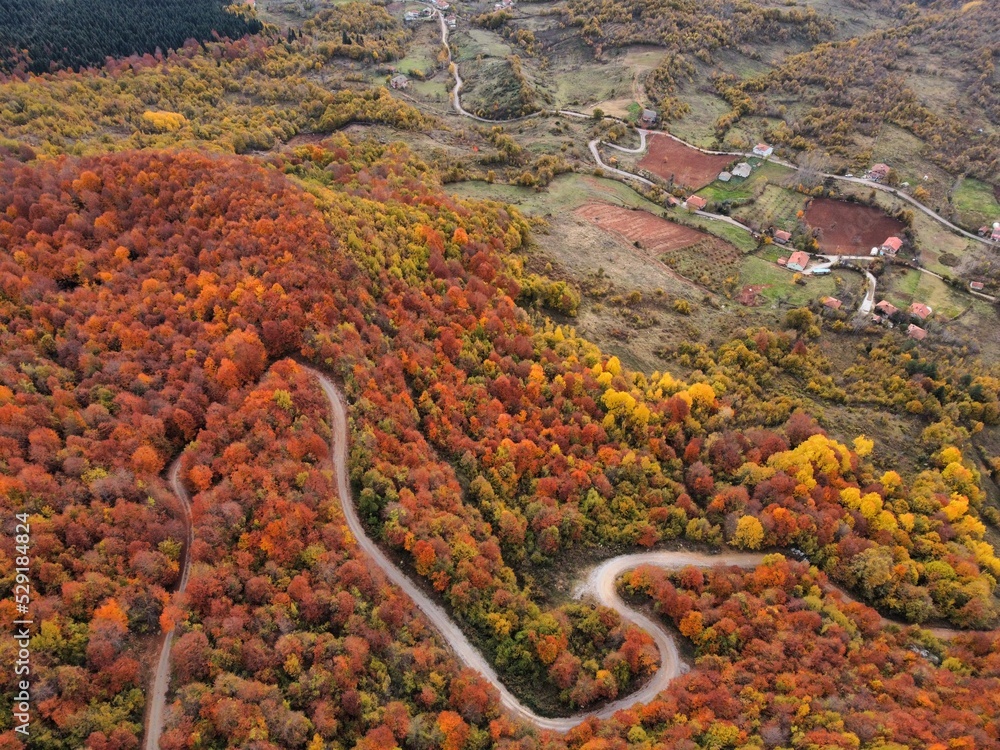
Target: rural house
{"points": [[887, 308], [891, 246], [916, 332], [742, 170], [725, 176], [798, 261], [649, 118], [781, 236], [920, 310], [399, 81], [976, 286], [763, 150], [832, 302], [451, 21], [695, 203], [879, 172]]}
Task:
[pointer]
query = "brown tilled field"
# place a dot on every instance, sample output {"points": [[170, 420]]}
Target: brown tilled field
{"points": [[689, 167], [693, 255], [849, 228], [654, 235]]}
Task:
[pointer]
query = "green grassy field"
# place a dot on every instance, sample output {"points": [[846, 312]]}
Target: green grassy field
{"points": [[778, 284], [976, 203], [903, 287], [776, 206]]}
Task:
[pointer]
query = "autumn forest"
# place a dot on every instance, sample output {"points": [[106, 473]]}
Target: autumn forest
{"points": [[174, 266]]}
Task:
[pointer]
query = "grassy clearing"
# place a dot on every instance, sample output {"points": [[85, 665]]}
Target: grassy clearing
{"points": [[566, 193], [904, 287], [698, 125], [778, 284], [728, 232], [901, 150], [776, 206], [976, 203]]}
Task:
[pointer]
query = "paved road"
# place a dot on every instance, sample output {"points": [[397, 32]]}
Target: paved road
{"points": [[157, 698]]}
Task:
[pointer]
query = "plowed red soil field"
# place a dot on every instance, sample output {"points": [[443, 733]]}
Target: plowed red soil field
{"points": [[849, 228], [687, 166], [653, 234]]}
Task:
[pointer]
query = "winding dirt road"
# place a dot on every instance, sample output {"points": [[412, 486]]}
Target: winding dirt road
{"points": [[157, 696], [599, 584]]}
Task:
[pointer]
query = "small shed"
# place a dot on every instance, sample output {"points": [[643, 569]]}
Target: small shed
{"points": [[725, 176], [916, 332], [781, 236], [399, 81]]}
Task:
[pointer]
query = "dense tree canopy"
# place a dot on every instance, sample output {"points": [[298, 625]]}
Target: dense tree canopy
{"points": [[40, 34]]}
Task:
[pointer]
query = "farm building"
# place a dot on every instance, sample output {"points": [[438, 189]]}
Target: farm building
{"points": [[696, 203], [725, 176], [783, 262], [763, 150], [832, 302], [916, 332], [798, 261], [879, 172], [781, 236], [649, 118], [891, 246], [886, 308], [399, 81], [742, 170], [920, 310], [451, 21], [976, 286]]}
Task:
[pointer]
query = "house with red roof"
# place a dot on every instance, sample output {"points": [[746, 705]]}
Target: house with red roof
{"points": [[920, 310], [976, 286], [916, 332], [695, 203], [879, 172], [886, 308], [798, 261], [832, 302], [891, 246], [781, 236], [763, 150]]}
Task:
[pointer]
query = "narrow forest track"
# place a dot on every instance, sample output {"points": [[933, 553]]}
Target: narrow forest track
{"points": [[157, 696], [599, 584]]}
